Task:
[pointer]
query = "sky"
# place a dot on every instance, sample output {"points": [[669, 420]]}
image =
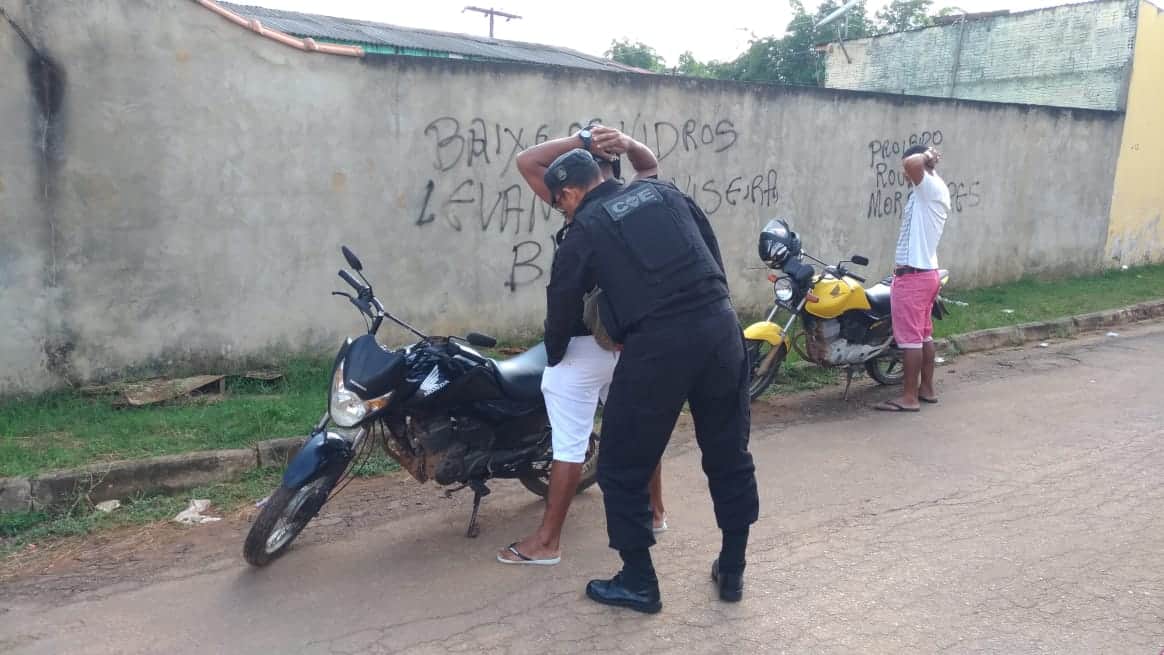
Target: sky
{"points": [[712, 30]]}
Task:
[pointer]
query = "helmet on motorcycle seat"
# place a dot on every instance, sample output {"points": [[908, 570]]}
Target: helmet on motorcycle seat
{"points": [[778, 243]]}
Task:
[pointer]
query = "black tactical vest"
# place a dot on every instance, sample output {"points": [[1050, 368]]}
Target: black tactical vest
{"points": [[649, 254]]}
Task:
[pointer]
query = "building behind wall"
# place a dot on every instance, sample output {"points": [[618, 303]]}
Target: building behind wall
{"points": [[1076, 55], [1105, 54]]}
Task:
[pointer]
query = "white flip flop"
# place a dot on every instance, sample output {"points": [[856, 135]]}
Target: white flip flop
{"points": [[526, 561]]}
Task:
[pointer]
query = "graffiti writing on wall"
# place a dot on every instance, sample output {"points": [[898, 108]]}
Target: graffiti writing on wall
{"points": [[512, 207], [525, 268], [475, 185], [478, 140], [715, 194], [891, 188]]}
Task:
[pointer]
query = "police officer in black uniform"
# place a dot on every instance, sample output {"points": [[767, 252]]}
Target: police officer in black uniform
{"points": [[654, 254]]}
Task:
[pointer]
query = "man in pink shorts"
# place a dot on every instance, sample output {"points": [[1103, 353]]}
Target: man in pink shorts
{"points": [[916, 278]]}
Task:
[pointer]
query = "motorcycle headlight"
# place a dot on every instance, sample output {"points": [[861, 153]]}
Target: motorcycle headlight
{"points": [[346, 408], [784, 289]]}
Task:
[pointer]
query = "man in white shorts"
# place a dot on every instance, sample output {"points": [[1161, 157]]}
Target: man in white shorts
{"points": [[578, 378]]}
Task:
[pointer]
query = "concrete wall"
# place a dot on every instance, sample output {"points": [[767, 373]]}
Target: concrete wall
{"points": [[1070, 56], [1136, 232], [210, 175]]}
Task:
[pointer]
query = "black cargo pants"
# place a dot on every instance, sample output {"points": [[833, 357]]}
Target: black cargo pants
{"points": [[698, 358]]}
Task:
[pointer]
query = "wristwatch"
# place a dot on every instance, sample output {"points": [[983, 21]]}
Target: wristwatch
{"points": [[584, 135]]}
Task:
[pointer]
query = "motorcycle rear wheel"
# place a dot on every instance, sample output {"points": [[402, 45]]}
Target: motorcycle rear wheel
{"points": [[283, 517], [887, 370], [538, 482], [757, 350]]}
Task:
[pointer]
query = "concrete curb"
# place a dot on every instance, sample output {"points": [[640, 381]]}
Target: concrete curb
{"points": [[277, 452], [119, 480], [168, 474], [176, 473], [1017, 335], [15, 495]]}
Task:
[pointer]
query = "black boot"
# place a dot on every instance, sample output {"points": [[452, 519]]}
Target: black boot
{"points": [[616, 592], [635, 586], [731, 585], [730, 577]]}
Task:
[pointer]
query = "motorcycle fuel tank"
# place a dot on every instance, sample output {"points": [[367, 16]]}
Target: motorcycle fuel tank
{"points": [[833, 297]]}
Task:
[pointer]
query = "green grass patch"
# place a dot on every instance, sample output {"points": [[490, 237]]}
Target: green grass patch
{"points": [[68, 429], [1041, 300], [801, 377]]}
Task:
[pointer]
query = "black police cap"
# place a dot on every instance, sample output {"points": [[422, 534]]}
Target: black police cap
{"points": [[574, 168]]}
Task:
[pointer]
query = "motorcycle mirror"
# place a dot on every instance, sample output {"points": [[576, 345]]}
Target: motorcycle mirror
{"points": [[480, 340], [860, 261], [353, 261]]}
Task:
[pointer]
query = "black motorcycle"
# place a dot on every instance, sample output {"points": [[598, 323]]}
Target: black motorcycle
{"points": [[438, 407]]}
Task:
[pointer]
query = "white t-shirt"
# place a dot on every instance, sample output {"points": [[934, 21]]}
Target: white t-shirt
{"points": [[922, 222]]}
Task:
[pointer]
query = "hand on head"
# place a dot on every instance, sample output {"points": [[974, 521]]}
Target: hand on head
{"points": [[608, 142]]}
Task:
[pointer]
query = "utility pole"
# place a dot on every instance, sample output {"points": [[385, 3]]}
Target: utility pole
{"points": [[491, 12]]}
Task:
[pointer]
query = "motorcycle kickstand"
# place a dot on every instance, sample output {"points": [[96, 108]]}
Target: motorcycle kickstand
{"points": [[479, 492], [848, 382]]}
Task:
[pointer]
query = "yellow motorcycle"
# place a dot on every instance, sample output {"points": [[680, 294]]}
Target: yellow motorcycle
{"points": [[842, 324]]}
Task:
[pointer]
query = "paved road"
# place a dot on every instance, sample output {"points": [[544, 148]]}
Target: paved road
{"points": [[1021, 515]]}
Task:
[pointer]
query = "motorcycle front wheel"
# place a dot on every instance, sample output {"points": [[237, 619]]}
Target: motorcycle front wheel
{"points": [[757, 350], [538, 482], [283, 517]]}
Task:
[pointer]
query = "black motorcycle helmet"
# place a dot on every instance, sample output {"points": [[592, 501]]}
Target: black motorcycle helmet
{"points": [[778, 243]]}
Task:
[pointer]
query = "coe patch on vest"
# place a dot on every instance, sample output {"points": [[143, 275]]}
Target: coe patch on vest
{"points": [[656, 238], [625, 203]]}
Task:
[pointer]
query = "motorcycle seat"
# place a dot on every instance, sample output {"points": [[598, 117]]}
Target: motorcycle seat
{"points": [[878, 296], [520, 376]]}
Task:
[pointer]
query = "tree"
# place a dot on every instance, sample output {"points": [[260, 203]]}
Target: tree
{"points": [[901, 15], [692, 67], [639, 55], [789, 59], [792, 59], [854, 24]]}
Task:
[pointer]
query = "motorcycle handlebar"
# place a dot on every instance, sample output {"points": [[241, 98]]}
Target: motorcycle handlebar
{"points": [[856, 277], [364, 307], [368, 304], [347, 277]]}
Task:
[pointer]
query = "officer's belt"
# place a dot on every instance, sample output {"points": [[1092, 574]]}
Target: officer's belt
{"points": [[710, 309]]}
